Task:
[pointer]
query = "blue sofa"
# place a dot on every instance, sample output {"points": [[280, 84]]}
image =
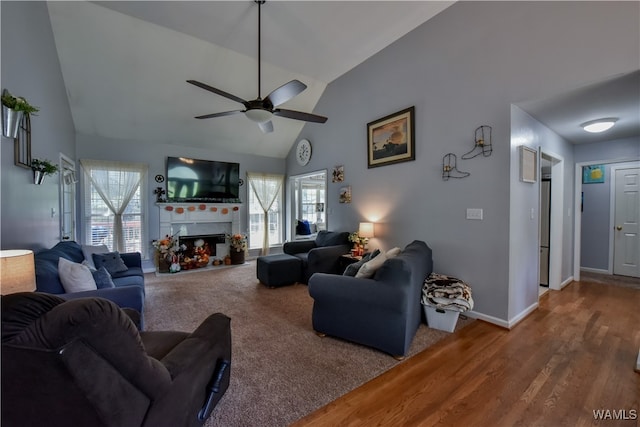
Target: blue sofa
{"points": [[129, 285], [382, 312]]}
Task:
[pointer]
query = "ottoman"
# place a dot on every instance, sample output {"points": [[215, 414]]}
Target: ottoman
{"points": [[279, 270]]}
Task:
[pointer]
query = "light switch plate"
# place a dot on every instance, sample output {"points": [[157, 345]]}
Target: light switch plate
{"points": [[474, 214]]}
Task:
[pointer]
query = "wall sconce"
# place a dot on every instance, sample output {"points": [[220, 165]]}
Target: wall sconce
{"points": [[17, 271]]}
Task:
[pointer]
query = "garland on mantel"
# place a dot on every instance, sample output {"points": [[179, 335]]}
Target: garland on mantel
{"points": [[180, 210]]}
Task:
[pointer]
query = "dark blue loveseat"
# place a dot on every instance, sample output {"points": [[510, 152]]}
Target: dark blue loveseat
{"points": [[129, 285]]}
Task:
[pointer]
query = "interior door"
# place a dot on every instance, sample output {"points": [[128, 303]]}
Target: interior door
{"points": [[626, 247]]}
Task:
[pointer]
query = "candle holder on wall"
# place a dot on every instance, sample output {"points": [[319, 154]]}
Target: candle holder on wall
{"points": [[450, 168], [482, 145]]}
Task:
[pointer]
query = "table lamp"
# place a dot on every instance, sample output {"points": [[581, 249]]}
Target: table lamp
{"points": [[17, 271], [365, 231]]}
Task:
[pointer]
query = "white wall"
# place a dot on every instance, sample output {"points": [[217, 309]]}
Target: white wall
{"points": [[462, 69], [30, 68], [155, 155]]}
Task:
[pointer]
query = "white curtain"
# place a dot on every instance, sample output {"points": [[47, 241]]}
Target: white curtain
{"points": [[116, 183], [266, 188]]}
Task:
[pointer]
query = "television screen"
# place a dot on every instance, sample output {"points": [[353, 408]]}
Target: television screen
{"points": [[193, 180]]}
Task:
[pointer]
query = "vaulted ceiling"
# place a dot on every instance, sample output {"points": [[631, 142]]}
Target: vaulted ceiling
{"points": [[125, 63], [125, 66]]}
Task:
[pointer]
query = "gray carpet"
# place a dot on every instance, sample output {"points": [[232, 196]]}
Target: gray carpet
{"points": [[281, 370]]}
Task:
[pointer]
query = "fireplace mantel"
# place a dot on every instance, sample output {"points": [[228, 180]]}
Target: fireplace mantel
{"points": [[196, 213]]}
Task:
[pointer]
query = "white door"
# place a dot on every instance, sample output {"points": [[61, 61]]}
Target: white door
{"points": [[626, 246]]}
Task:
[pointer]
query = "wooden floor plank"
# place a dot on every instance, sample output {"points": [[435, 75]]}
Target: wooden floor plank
{"points": [[575, 354]]}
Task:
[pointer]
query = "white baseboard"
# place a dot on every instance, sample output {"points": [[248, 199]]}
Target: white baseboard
{"points": [[566, 282], [501, 322], [594, 270], [487, 318], [517, 319]]}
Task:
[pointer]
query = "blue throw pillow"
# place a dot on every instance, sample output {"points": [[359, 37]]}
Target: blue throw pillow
{"points": [[103, 278], [111, 261], [303, 228]]}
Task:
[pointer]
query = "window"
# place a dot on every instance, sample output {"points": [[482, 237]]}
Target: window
{"points": [[265, 195], [114, 213], [309, 199]]}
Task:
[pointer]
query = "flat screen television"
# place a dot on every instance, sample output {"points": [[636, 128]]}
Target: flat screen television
{"points": [[193, 180]]}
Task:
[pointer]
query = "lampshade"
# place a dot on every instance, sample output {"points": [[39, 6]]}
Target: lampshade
{"points": [[365, 229], [600, 125], [258, 115], [17, 271]]}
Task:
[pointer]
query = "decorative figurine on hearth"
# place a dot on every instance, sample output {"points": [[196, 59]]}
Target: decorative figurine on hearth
{"points": [[175, 264]]}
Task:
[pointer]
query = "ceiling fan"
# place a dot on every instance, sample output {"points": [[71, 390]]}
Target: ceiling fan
{"points": [[261, 110]]}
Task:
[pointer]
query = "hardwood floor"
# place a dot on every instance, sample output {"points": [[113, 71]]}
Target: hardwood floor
{"points": [[574, 355]]}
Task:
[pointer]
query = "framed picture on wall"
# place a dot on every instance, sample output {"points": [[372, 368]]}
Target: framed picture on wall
{"points": [[391, 139], [593, 174], [528, 164], [345, 194]]}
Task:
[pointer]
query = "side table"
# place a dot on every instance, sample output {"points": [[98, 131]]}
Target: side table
{"points": [[346, 260]]}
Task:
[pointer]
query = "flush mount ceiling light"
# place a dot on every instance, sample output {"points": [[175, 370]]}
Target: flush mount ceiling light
{"points": [[599, 125]]}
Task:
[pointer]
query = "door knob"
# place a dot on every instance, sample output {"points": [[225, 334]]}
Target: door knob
{"points": [[618, 228]]}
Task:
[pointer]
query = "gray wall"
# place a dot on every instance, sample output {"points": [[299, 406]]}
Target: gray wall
{"points": [[595, 225], [524, 229], [155, 155], [462, 69], [30, 68], [594, 242]]}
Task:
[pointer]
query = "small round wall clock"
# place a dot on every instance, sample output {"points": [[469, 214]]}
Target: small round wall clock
{"points": [[303, 152]]}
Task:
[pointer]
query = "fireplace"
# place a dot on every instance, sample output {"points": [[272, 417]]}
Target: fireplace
{"points": [[199, 250], [186, 220]]}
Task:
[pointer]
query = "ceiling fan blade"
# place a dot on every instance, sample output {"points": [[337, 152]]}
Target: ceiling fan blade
{"points": [[219, 92], [224, 113], [266, 127], [285, 92], [299, 115]]}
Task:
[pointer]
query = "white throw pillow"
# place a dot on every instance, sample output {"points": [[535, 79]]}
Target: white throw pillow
{"points": [[75, 277], [88, 252], [393, 252], [369, 268]]}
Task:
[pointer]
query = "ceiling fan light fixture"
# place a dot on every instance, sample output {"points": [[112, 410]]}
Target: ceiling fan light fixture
{"points": [[599, 125], [258, 115]]}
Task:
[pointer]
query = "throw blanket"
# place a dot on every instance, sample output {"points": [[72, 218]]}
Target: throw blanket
{"points": [[446, 292]]}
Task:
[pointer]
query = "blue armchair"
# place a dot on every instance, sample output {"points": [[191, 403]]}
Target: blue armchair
{"points": [[382, 312], [320, 255], [129, 285]]}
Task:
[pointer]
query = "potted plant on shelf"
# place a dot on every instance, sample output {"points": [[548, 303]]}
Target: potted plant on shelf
{"points": [[42, 168], [237, 247], [13, 108]]}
